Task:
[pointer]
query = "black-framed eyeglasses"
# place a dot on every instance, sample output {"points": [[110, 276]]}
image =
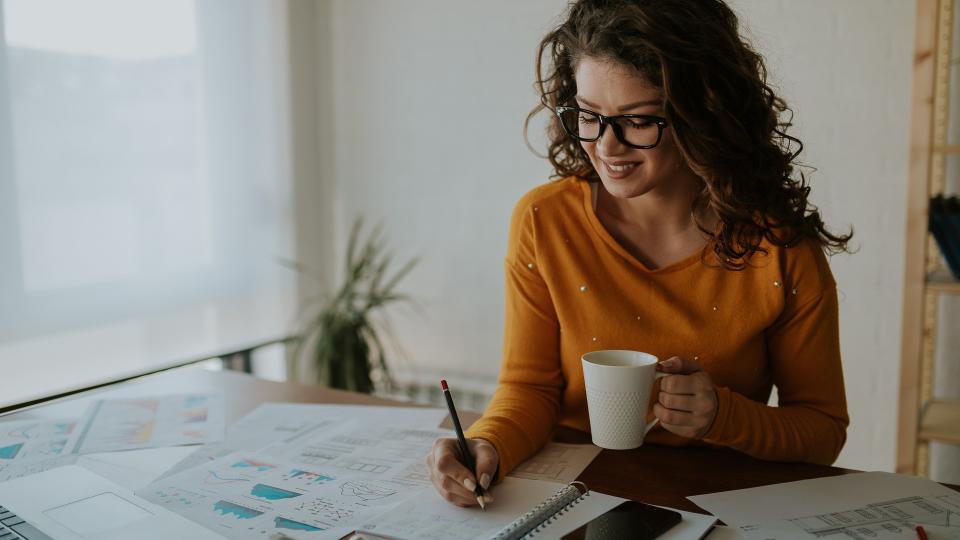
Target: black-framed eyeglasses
{"points": [[642, 131]]}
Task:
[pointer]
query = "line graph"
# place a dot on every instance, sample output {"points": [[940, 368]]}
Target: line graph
{"points": [[216, 479], [366, 491]]}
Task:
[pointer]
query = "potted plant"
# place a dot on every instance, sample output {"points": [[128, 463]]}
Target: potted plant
{"points": [[340, 341]]}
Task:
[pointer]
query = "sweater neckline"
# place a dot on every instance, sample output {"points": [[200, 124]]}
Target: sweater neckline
{"points": [[591, 216]]}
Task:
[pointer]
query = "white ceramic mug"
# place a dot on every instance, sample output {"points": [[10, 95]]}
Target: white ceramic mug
{"points": [[619, 385]]}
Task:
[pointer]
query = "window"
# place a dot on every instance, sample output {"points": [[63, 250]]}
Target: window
{"points": [[143, 205]]}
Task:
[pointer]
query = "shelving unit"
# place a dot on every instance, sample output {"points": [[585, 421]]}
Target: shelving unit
{"points": [[922, 417]]}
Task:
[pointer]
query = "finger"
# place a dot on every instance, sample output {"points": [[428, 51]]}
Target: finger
{"points": [[446, 457], [697, 404], [487, 460], [454, 482], [436, 477], [459, 486], [455, 492], [676, 402], [676, 364], [679, 384], [448, 487], [671, 417]]}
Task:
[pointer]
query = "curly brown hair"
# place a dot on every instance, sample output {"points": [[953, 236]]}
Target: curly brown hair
{"points": [[726, 119]]}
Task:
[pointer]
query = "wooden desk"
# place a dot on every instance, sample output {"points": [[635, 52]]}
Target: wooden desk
{"points": [[654, 474]]}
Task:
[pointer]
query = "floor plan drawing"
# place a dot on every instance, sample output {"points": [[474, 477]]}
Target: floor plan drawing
{"points": [[885, 520]]}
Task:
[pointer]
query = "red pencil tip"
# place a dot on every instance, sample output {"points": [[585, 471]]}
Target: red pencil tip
{"points": [[443, 384]]}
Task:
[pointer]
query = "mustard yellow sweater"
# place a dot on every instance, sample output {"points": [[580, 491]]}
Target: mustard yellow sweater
{"points": [[571, 288]]}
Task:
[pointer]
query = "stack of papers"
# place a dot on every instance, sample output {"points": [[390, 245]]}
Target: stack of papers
{"points": [[874, 505], [296, 470], [31, 446]]}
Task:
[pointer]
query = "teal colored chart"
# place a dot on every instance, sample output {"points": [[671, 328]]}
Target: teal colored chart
{"points": [[10, 452], [259, 466], [284, 523], [308, 476], [242, 512], [271, 493], [194, 401]]}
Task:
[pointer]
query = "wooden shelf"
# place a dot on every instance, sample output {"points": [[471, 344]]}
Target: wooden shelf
{"points": [[922, 418], [942, 283], [940, 421]]}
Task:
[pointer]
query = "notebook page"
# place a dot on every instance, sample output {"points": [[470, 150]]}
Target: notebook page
{"points": [[428, 516]]}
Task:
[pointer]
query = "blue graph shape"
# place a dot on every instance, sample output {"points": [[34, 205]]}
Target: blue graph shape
{"points": [[271, 493], [242, 512], [194, 401], [284, 523], [312, 477], [10, 452]]}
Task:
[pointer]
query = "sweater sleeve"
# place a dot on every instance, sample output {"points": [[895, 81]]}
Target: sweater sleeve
{"points": [[524, 409], [810, 423]]}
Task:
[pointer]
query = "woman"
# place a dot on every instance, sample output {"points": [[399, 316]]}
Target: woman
{"points": [[679, 228]]}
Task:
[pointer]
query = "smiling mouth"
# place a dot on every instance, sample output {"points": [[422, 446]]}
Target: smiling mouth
{"points": [[620, 169]]}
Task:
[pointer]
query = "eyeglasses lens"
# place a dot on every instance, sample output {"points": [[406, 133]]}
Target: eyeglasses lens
{"points": [[586, 125]]}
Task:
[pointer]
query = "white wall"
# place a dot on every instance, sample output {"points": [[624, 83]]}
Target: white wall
{"points": [[846, 67], [429, 98]]}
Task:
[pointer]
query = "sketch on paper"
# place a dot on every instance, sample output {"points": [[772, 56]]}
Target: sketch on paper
{"points": [[887, 520], [557, 462]]}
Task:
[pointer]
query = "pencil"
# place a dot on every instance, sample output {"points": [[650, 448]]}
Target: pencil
{"points": [[922, 534], [464, 449]]}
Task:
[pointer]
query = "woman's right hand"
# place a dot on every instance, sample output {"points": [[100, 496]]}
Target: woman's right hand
{"points": [[453, 480]]}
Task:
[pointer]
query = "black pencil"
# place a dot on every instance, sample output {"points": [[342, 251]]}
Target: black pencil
{"points": [[464, 449]]}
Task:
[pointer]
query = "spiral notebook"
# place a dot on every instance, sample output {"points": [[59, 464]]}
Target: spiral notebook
{"points": [[522, 509], [590, 505]]}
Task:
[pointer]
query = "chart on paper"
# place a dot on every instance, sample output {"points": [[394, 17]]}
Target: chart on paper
{"points": [[31, 446], [129, 424], [251, 434], [390, 453], [254, 495], [34, 440]]}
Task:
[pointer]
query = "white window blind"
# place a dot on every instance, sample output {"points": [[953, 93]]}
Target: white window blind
{"points": [[144, 186]]}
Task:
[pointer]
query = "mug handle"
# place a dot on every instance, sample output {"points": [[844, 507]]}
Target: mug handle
{"points": [[655, 421]]}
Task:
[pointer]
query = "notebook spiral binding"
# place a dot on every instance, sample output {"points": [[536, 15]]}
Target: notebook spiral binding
{"points": [[536, 520]]}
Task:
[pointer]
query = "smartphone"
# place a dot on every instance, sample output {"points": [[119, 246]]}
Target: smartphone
{"points": [[628, 520]]}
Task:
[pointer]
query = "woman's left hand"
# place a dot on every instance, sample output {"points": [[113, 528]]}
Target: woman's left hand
{"points": [[687, 404]]}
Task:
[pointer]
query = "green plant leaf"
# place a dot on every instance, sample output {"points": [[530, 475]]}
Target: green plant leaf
{"points": [[338, 334]]}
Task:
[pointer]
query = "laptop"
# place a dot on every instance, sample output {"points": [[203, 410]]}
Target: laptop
{"points": [[72, 503]]}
